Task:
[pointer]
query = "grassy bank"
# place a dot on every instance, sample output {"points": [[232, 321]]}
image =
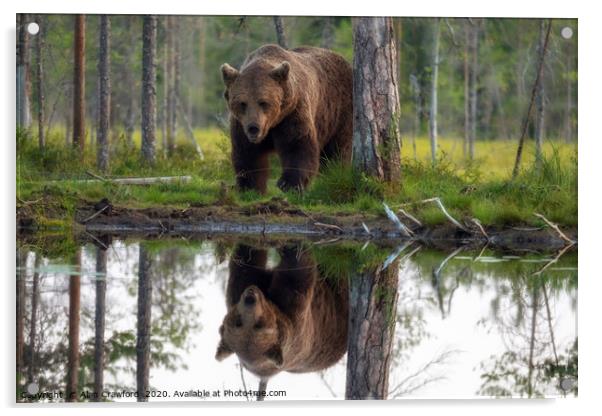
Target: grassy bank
{"points": [[480, 189]]}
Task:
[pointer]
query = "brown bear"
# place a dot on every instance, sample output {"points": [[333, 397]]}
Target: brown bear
{"points": [[285, 319], [297, 103]]}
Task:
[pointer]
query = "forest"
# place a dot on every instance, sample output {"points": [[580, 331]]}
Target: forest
{"points": [[487, 116]]}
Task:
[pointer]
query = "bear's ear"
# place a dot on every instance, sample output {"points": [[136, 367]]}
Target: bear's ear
{"points": [[229, 74], [280, 73], [274, 354], [223, 351]]}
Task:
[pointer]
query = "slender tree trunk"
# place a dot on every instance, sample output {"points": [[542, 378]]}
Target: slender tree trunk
{"points": [[280, 34], [79, 84], [130, 117], [175, 88], [376, 139], [569, 98], [535, 301], [149, 39], [33, 323], [143, 336], [328, 32], [372, 307], [99, 323], [104, 94], [521, 140], [434, 81], [166, 83], [40, 81], [74, 311], [415, 87], [20, 315], [472, 92], [467, 126], [171, 76], [540, 97], [23, 77]]}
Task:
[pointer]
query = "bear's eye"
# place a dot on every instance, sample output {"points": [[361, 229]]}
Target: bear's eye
{"points": [[259, 324], [242, 106], [264, 105]]}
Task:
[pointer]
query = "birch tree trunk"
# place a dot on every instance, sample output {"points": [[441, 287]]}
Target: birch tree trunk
{"points": [[434, 81], [104, 94], [540, 97], [20, 312], [79, 83], [376, 139], [99, 323], [73, 351], [23, 82], [33, 322], [280, 34], [149, 39], [40, 81], [171, 76], [372, 306], [143, 334], [472, 87]]}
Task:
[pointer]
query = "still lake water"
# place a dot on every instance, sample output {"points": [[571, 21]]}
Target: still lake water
{"points": [[466, 324]]}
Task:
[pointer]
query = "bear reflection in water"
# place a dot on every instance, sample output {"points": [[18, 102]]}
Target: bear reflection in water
{"points": [[290, 318]]}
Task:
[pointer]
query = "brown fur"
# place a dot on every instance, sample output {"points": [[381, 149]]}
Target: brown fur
{"points": [[297, 321], [296, 103]]}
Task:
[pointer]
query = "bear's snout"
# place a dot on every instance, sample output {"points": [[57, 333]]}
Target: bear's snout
{"points": [[253, 131], [249, 296]]}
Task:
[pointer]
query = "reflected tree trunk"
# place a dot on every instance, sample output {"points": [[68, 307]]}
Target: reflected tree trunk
{"points": [[372, 306], [21, 276], [33, 328], [534, 306], [99, 322], [74, 310], [144, 323]]}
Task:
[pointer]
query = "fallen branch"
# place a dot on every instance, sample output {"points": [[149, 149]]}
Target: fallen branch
{"points": [[556, 228], [449, 217], [366, 228], [95, 176], [96, 214], [328, 226], [395, 254], [554, 260], [437, 200], [480, 227], [133, 181], [395, 219], [407, 215]]}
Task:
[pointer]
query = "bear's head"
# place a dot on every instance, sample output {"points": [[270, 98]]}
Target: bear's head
{"points": [[254, 329], [256, 96]]}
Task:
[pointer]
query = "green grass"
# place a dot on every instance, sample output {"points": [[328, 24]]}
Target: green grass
{"points": [[480, 189]]}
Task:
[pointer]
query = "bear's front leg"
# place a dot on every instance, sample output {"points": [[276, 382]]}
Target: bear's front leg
{"points": [[300, 160], [251, 161]]}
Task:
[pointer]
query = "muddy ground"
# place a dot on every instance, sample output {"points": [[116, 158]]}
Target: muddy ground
{"points": [[276, 217]]}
